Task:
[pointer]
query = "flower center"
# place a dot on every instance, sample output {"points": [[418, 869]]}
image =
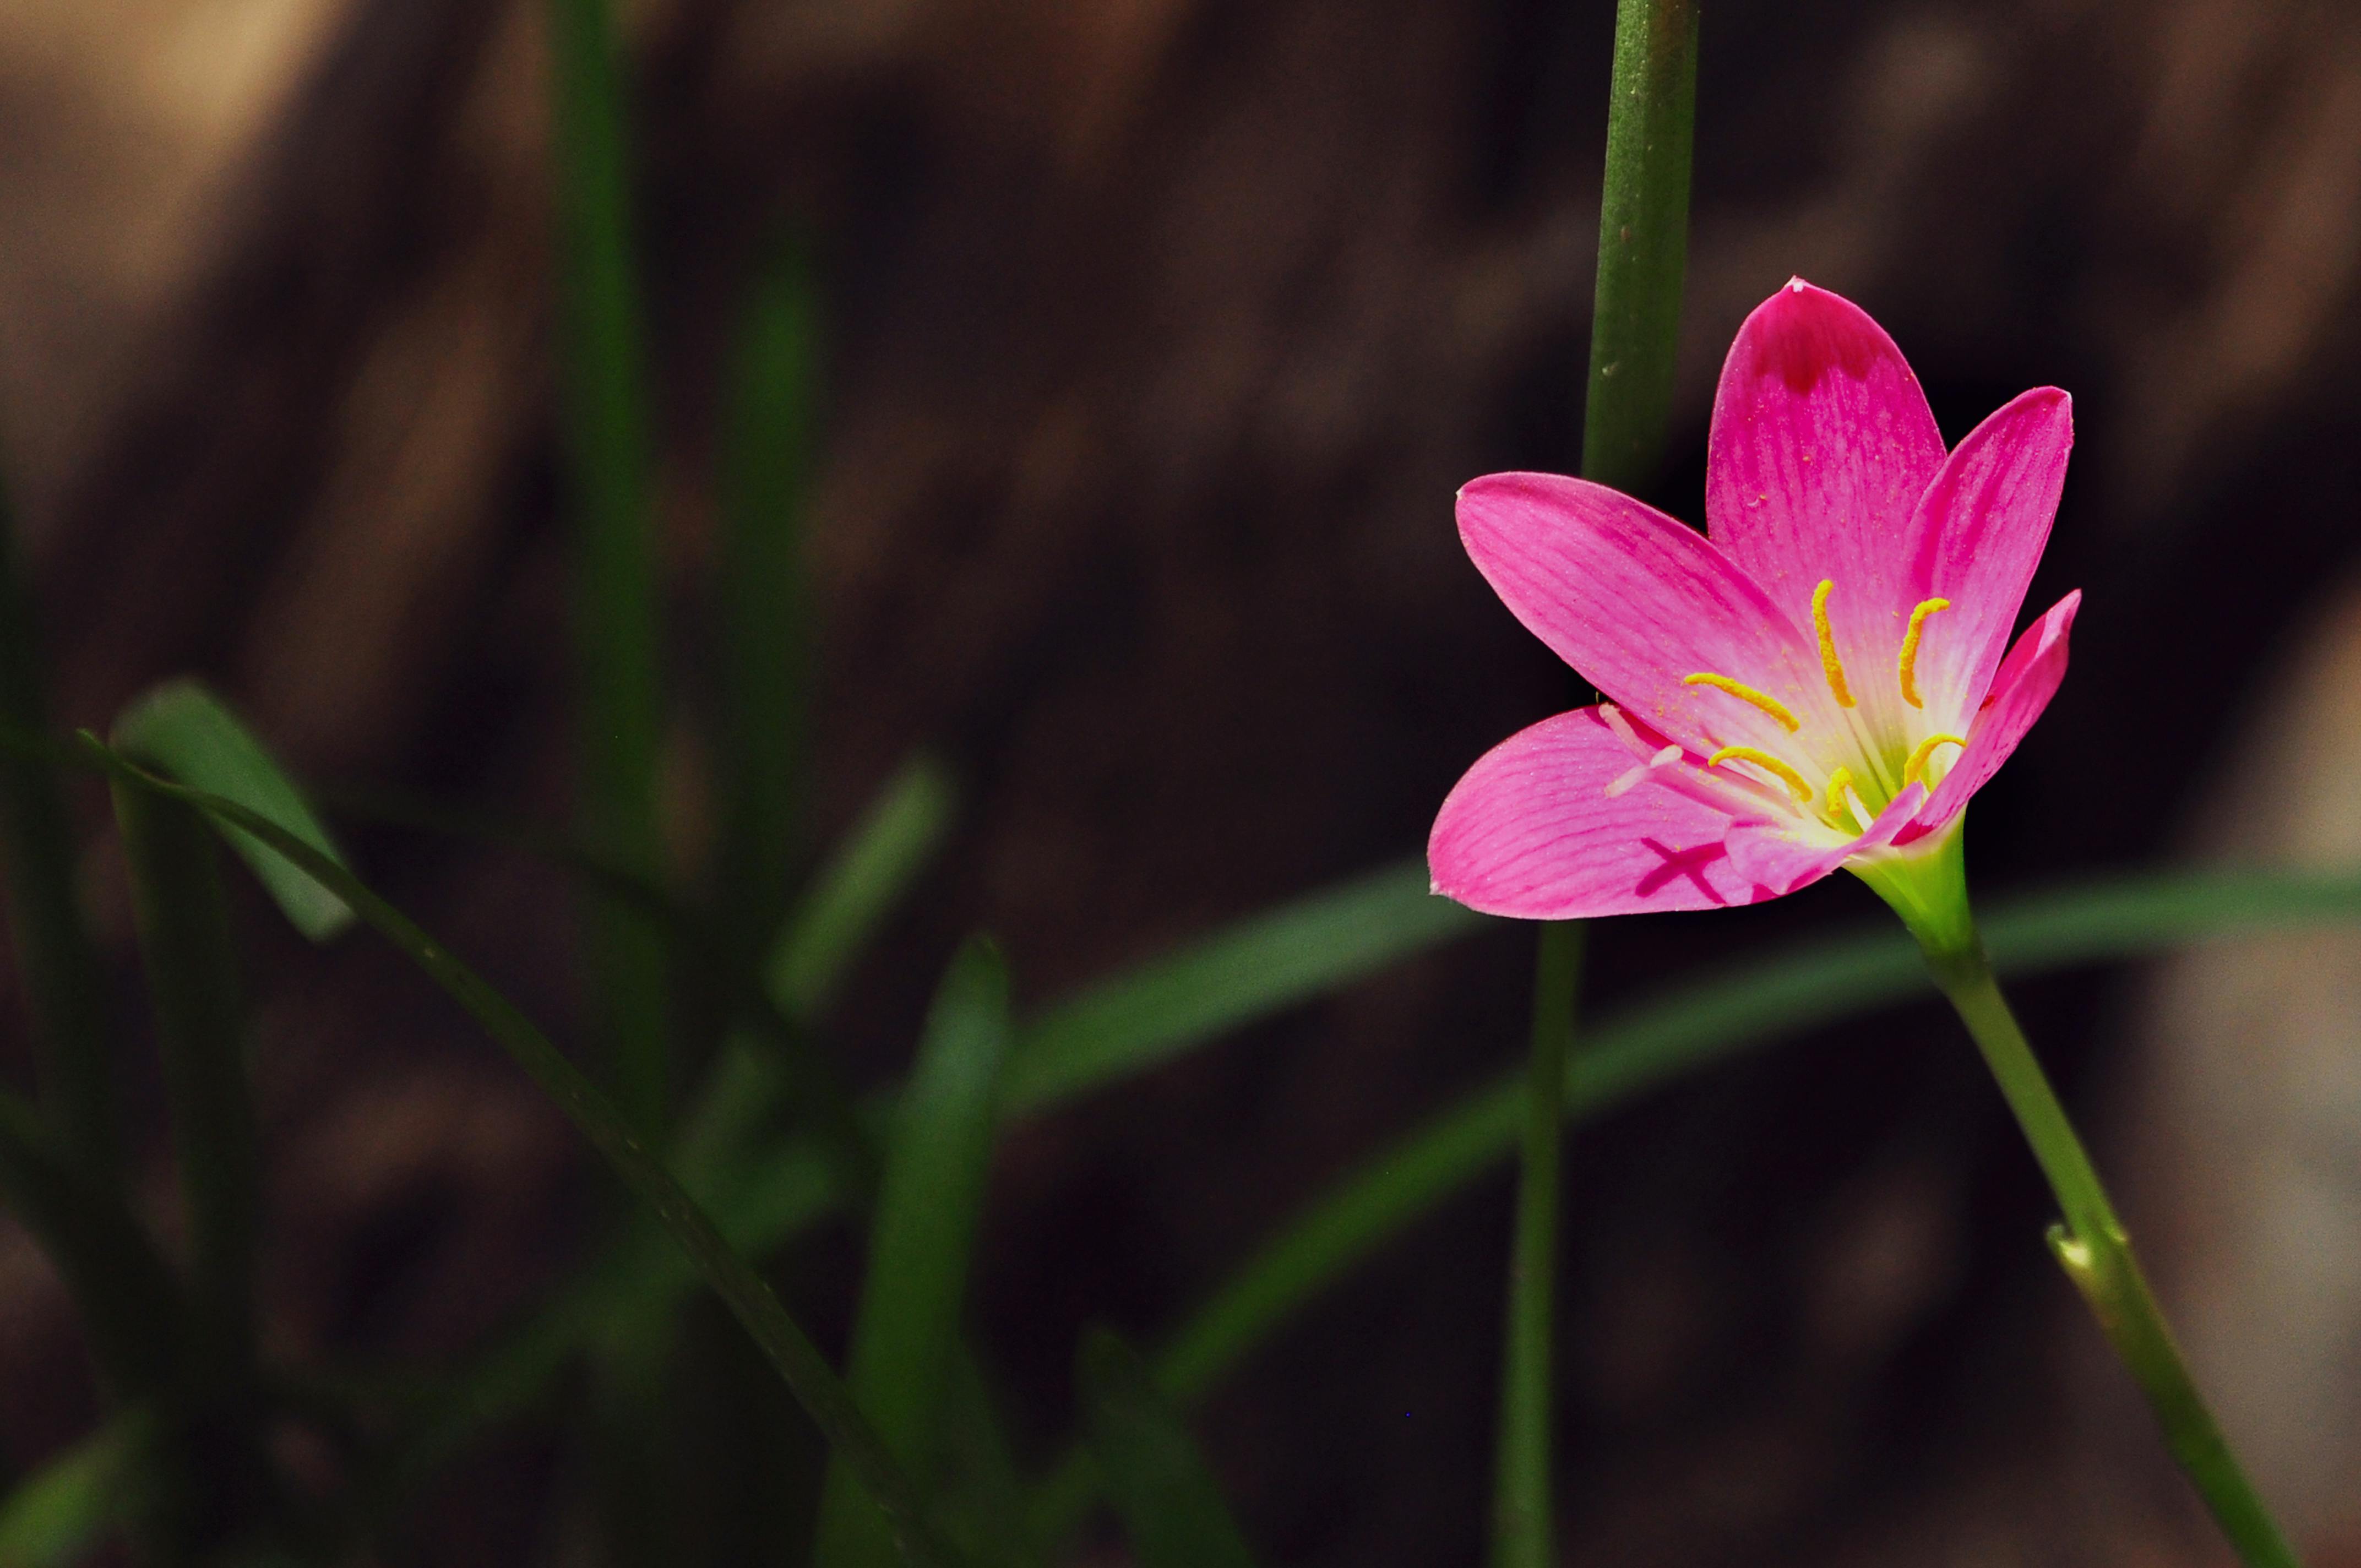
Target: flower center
{"points": [[1840, 803]]}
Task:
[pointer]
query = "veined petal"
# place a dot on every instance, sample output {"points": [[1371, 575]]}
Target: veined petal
{"points": [[1977, 535], [1531, 832], [1637, 603], [1783, 861], [1821, 446], [2027, 680]]}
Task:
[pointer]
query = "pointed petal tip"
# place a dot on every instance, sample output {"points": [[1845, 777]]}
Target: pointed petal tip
{"points": [[1805, 332]]}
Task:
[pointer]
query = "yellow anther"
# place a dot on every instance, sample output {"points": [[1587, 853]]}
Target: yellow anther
{"points": [[1829, 664], [1760, 758], [1743, 692], [1839, 782], [1917, 762], [1910, 636]]}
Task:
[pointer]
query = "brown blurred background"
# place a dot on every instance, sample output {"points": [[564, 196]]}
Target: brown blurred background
{"points": [[1162, 332]]}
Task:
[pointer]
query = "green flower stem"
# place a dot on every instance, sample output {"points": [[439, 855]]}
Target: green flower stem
{"points": [[615, 560], [1643, 218], [52, 937], [1520, 1496], [1644, 235], [2097, 1255]]}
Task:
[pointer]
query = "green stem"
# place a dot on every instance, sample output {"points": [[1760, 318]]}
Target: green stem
{"points": [[183, 914], [2096, 1253], [1521, 1498], [52, 935], [615, 618], [1643, 231], [1634, 332]]}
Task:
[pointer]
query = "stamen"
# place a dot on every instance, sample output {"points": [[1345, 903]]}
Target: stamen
{"points": [[1839, 782], [1612, 717], [1626, 781], [1910, 636], [1829, 664], [1919, 759], [1763, 700], [1764, 759]]}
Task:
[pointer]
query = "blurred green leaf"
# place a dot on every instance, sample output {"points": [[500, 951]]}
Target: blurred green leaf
{"points": [[1741, 1006], [46, 923], [190, 960], [1171, 1505], [129, 1305], [1732, 1008], [1158, 1010], [765, 629], [782, 1339], [619, 691], [870, 870], [906, 1335], [182, 729], [982, 1489], [55, 1517], [636, 1284]]}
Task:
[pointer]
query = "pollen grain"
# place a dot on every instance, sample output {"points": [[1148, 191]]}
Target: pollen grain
{"points": [[1762, 759], [1910, 635], [1830, 665], [1744, 693]]}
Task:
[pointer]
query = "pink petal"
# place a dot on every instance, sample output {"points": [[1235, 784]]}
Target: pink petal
{"points": [[1784, 863], [2027, 680], [1821, 445], [1530, 832], [1978, 534], [1636, 601]]}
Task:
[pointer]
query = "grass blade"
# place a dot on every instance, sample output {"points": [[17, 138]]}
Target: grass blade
{"points": [[982, 1487], [766, 630], [1246, 971], [906, 1335], [619, 699], [128, 1305], [49, 928], [853, 892], [55, 1518], [782, 1341], [182, 728], [192, 962], [1171, 1505]]}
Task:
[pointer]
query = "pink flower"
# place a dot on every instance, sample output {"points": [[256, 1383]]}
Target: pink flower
{"points": [[1818, 683]]}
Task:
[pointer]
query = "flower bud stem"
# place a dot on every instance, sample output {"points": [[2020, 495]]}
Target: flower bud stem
{"points": [[2092, 1246]]}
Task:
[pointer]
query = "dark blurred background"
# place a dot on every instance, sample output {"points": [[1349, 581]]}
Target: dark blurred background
{"points": [[1162, 332]]}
